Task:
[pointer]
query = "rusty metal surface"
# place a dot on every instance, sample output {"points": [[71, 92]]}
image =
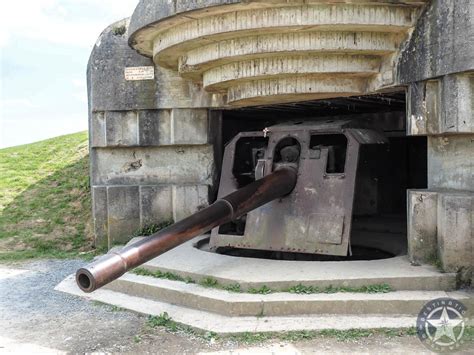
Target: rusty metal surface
{"points": [[317, 216], [110, 267]]}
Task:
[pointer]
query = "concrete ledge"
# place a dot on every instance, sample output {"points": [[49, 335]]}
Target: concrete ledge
{"points": [[276, 304], [224, 76], [151, 14], [240, 24], [227, 325], [220, 38], [188, 261]]}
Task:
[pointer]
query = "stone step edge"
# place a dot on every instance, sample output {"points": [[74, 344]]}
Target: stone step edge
{"points": [[437, 282], [276, 304], [223, 325]]}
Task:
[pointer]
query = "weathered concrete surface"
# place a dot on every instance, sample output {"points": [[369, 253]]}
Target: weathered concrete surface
{"points": [[123, 212], [456, 233], [150, 128], [441, 43], [107, 87], [451, 162], [189, 261], [109, 91], [441, 106], [437, 65], [153, 165], [120, 211], [145, 134], [422, 226], [276, 304], [222, 324], [441, 228]]}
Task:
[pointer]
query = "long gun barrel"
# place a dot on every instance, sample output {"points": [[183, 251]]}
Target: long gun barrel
{"points": [[113, 265]]}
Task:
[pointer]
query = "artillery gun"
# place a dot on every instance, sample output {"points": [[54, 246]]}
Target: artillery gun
{"points": [[289, 188]]}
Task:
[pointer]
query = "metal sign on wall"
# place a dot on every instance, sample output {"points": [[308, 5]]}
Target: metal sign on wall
{"points": [[139, 73]]}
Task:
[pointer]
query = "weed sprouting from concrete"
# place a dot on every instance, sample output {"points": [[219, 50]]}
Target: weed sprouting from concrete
{"points": [[117, 309], [303, 289], [119, 30], [264, 290], [375, 288], [233, 288], [391, 333], [304, 335], [162, 320], [436, 262], [252, 338], [209, 282], [298, 335], [162, 275], [349, 334], [165, 321], [152, 228]]}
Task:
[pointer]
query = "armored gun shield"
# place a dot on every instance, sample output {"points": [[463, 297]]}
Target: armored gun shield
{"points": [[316, 217]]}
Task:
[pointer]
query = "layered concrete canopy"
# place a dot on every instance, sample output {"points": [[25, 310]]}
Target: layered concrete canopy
{"points": [[261, 52]]}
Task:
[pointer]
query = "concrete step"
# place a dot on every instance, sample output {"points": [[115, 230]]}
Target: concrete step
{"points": [[224, 324], [233, 304], [188, 260]]}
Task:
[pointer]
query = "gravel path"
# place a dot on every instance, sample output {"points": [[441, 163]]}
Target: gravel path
{"points": [[32, 312], [36, 319]]}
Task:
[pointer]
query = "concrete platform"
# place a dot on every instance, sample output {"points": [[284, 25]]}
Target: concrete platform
{"points": [[189, 261], [227, 312], [224, 313]]}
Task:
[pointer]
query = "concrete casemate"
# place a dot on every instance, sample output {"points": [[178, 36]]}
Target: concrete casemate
{"points": [[156, 132]]}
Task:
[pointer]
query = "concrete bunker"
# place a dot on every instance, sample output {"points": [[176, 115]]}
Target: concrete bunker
{"points": [[186, 77]]}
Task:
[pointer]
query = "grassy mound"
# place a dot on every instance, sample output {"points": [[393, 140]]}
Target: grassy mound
{"points": [[45, 199]]}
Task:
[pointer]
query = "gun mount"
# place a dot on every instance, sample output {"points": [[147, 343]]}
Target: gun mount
{"points": [[288, 188], [113, 265]]}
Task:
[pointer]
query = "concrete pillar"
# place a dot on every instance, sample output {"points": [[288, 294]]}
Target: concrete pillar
{"points": [[152, 142], [455, 232], [422, 225], [440, 223]]}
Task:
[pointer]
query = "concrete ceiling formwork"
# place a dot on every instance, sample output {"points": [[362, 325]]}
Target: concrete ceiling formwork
{"points": [[266, 52]]}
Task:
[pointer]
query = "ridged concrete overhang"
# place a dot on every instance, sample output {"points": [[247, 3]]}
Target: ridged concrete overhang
{"points": [[261, 52]]}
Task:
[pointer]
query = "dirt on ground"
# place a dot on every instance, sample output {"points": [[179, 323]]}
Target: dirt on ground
{"points": [[36, 319]]}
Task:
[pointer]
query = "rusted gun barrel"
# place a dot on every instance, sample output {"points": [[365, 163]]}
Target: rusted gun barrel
{"points": [[113, 265]]}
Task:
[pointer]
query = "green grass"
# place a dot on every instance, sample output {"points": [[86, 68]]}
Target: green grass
{"points": [[162, 275], [375, 288], [152, 229], [45, 208], [264, 290], [210, 282]]}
